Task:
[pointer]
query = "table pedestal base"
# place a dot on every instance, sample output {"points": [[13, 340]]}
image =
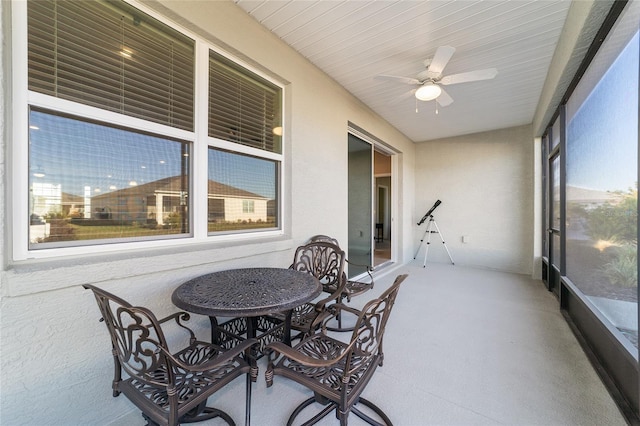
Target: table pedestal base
{"points": [[229, 333]]}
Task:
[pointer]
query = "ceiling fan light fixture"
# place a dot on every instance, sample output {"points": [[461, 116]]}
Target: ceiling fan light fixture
{"points": [[428, 92]]}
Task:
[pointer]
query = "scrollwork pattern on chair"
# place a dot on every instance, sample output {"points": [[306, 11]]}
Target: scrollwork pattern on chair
{"points": [[338, 371], [169, 388]]}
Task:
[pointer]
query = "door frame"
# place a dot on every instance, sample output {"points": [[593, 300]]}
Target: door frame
{"points": [[393, 212]]}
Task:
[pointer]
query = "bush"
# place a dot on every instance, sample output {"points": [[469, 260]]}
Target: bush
{"points": [[622, 270], [173, 220], [616, 223]]}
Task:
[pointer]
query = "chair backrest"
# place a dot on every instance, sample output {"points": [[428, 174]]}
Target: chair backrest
{"points": [[323, 260], [352, 267], [324, 238], [138, 341], [366, 339]]}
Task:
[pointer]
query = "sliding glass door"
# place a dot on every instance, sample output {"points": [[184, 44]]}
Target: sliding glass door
{"points": [[360, 205]]}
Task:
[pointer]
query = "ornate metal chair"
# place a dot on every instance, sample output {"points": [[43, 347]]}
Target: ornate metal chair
{"points": [[338, 372], [352, 287], [168, 387], [325, 261]]}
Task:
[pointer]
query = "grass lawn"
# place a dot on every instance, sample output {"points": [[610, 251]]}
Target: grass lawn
{"points": [[81, 232]]}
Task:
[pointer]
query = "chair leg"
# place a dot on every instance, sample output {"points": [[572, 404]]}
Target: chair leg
{"points": [[374, 408], [202, 412], [148, 420], [343, 417], [247, 417], [315, 419], [207, 414]]}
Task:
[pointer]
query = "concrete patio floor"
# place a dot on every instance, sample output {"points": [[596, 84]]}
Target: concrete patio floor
{"points": [[463, 347]]}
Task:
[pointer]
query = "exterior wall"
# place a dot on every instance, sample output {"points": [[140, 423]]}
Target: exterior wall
{"points": [[54, 354], [485, 184]]}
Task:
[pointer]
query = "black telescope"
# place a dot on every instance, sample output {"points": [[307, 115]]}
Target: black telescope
{"points": [[435, 205]]}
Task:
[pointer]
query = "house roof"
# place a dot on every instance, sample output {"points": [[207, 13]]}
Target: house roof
{"points": [[173, 184]]}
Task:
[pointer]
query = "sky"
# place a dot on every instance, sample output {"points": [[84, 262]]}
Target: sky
{"points": [[77, 154], [602, 138]]}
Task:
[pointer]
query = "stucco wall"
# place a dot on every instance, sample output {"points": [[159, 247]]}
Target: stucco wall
{"points": [[55, 360], [484, 181]]}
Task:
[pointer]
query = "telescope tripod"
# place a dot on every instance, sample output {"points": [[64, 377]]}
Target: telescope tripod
{"points": [[427, 234]]}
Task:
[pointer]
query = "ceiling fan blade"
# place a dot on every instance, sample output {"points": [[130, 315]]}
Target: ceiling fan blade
{"points": [[444, 99], [467, 77], [404, 96], [440, 60], [405, 80]]}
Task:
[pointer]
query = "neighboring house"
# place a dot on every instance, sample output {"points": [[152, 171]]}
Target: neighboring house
{"points": [[229, 204], [152, 201], [157, 200]]}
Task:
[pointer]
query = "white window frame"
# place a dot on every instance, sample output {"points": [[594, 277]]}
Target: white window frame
{"points": [[19, 148]]}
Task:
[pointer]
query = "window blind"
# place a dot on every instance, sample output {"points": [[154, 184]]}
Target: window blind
{"points": [[111, 56], [243, 107]]}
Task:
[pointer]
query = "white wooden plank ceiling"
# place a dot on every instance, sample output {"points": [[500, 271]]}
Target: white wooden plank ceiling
{"points": [[353, 41]]}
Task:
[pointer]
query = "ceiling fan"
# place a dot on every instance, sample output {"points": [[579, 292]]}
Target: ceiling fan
{"points": [[430, 80]]}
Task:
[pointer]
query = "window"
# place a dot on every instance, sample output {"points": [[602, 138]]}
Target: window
{"points": [[112, 132], [602, 179], [245, 188], [91, 181], [244, 113]]}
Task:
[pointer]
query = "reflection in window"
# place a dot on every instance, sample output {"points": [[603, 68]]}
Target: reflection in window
{"points": [[602, 192], [242, 192], [90, 181]]}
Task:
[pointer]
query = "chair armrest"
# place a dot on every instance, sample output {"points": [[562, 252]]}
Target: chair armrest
{"points": [[369, 269], [179, 317], [276, 349], [320, 305], [334, 311], [337, 307]]}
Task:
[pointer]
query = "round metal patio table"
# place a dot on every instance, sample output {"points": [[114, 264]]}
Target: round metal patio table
{"points": [[246, 295], [248, 292]]}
